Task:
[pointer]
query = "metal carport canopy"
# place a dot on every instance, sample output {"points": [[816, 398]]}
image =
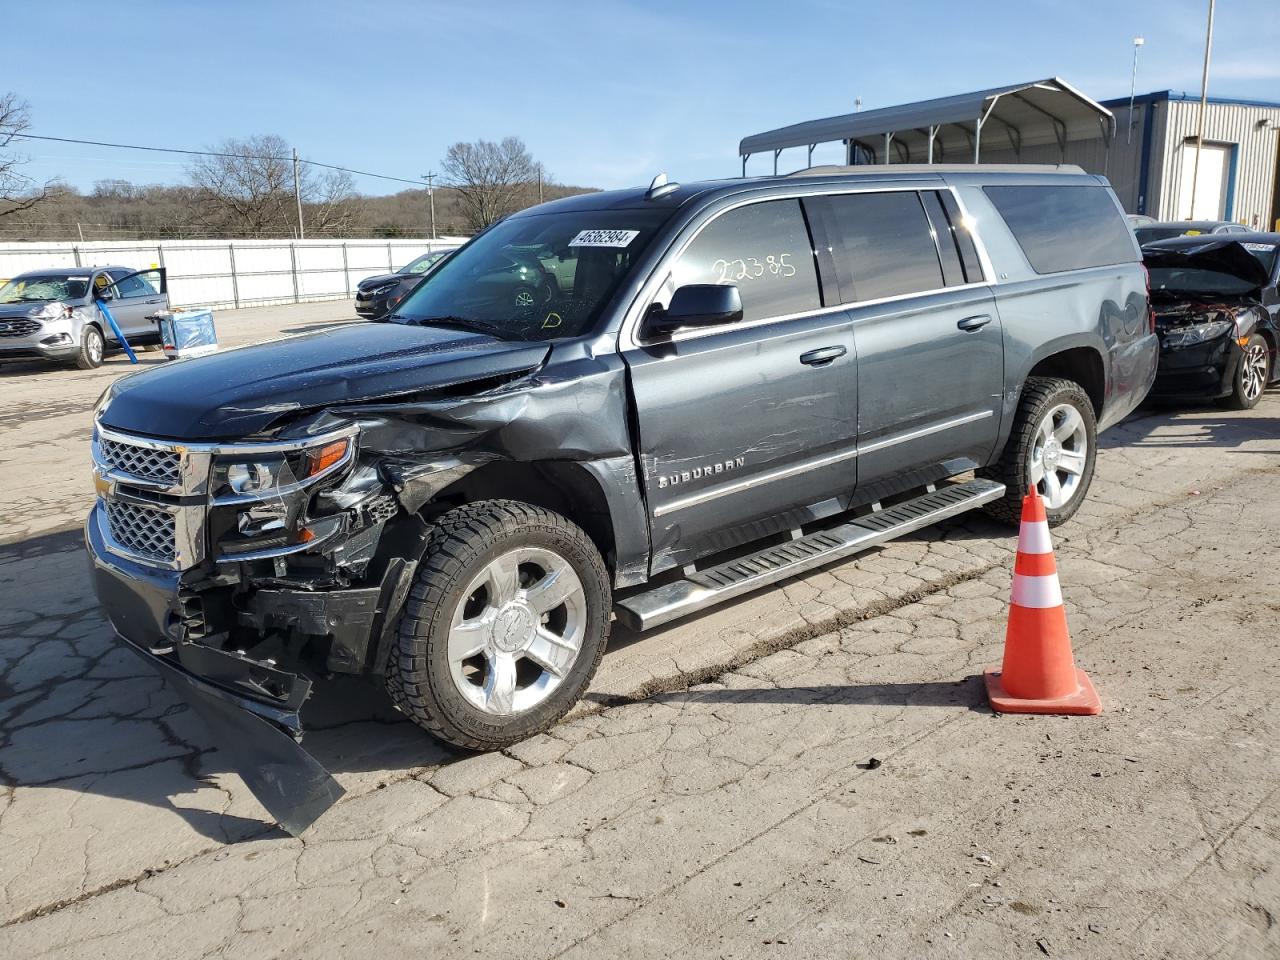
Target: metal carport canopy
{"points": [[1020, 115]]}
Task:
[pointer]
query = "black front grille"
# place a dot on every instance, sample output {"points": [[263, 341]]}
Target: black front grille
{"points": [[143, 530], [159, 466], [23, 327]]}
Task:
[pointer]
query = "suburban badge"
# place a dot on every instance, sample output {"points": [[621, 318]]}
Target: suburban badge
{"points": [[697, 473]]}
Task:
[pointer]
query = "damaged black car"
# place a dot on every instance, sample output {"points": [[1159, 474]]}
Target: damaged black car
{"points": [[1216, 306], [630, 405]]}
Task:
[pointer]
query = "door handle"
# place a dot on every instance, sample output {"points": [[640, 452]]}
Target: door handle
{"points": [[974, 323], [816, 358]]}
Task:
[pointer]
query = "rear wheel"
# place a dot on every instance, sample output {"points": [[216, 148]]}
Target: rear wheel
{"points": [[1252, 373], [504, 628], [92, 347], [1052, 445]]}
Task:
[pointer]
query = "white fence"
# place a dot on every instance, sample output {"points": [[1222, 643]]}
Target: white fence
{"points": [[234, 273]]}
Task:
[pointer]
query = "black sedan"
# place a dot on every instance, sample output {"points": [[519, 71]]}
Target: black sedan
{"points": [[1216, 312], [378, 296]]}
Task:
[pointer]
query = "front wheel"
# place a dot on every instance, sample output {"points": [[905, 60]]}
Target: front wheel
{"points": [[1053, 444], [504, 627], [92, 347], [1252, 373]]}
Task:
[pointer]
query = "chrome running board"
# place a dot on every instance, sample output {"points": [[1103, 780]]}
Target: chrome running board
{"points": [[733, 578]]}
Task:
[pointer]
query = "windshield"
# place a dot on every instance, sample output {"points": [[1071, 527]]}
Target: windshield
{"points": [[422, 263], [1196, 281], [537, 277], [42, 289]]}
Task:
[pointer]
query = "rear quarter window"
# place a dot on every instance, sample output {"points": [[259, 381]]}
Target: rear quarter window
{"points": [[1065, 228]]}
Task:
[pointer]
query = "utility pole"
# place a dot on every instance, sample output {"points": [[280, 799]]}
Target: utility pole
{"points": [[431, 195], [1133, 85], [297, 195], [539, 183], [1204, 99]]}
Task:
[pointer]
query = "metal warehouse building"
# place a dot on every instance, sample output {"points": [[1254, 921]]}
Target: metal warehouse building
{"points": [[1153, 157], [1149, 154]]}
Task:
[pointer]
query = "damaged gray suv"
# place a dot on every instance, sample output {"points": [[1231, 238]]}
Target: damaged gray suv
{"points": [[629, 405]]}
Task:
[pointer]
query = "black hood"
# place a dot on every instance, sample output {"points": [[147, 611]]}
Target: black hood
{"points": [[237, 393], [1220, 256]]}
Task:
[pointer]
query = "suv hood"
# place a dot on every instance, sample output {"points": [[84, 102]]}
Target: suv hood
{"points": [[11, 310], [378, 281], [1221, 256], [237, 393]]}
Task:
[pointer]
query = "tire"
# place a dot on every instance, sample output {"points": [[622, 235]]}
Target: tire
{"points": [[492, 579], [1023, 457], [1253, 372], [92, 348]]}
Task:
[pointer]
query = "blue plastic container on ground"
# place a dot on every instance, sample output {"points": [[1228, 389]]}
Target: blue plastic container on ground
{"points": [[187, 333]]}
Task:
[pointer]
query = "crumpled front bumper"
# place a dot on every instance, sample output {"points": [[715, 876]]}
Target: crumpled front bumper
{"points": [[251, 708], [1203, 370]]}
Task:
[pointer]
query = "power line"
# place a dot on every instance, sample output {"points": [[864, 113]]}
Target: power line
{"points": [[215, 153]]}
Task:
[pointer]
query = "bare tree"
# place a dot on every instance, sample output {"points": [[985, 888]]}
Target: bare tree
{"points": [[329, 203], [246, 189], [492, 179], [18, 192]]}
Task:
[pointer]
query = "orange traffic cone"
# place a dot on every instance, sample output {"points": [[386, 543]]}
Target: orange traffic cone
{"points": [[1039, 674]]}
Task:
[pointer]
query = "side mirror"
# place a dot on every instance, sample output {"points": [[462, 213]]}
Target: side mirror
{"points": [[696, 305], [105, 294]]}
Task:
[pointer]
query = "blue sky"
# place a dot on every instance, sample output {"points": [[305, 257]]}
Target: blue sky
{"points": [[605, 93]]}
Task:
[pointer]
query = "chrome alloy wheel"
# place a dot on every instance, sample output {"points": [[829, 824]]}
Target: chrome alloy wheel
{"points": [[1059, 455], [517, 631], [1253, 371], [94, 347]]}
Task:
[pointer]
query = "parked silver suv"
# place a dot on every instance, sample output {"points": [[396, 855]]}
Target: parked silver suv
{"points": [[54, 314]]}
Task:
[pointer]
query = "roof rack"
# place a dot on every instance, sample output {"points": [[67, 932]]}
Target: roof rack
{"points": [[836, 169]]}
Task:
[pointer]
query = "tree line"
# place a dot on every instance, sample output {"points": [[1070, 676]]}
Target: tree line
{"points": [[246, 188]]}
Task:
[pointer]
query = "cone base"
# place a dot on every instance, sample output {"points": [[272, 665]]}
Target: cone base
{"points": [[1083, 703]]}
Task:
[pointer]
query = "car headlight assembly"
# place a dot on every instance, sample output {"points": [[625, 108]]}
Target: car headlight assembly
{"points": [[261, 477], [1197, 333], [50, 311]]}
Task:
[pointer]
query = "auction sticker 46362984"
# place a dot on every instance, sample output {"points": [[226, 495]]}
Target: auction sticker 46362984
{"points": [[604, 238]]}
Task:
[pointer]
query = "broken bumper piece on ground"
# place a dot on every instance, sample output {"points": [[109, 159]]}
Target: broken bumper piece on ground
{"points": [[250, 708]]}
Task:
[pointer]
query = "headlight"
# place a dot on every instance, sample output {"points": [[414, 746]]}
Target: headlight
{"points": [[385, 288], [263, 476], [50, 311], [255, 477], [1197, 333]]}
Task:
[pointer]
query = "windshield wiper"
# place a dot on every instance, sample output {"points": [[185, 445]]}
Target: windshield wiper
{"points": [[460, 323]]}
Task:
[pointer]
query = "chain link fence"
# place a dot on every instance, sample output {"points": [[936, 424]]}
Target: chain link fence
{"points": [[234, 273]]}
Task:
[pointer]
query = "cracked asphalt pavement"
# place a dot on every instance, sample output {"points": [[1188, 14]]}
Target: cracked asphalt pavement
{"points": [[713, 794]]}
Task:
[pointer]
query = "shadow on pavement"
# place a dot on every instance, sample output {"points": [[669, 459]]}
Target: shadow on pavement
{"points": [[81, 712]]}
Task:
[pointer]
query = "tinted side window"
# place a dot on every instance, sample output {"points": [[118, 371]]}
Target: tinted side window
{"points": [[765, 249], [888, 243], [139, 285], [1065, 228], [131, 287]]}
